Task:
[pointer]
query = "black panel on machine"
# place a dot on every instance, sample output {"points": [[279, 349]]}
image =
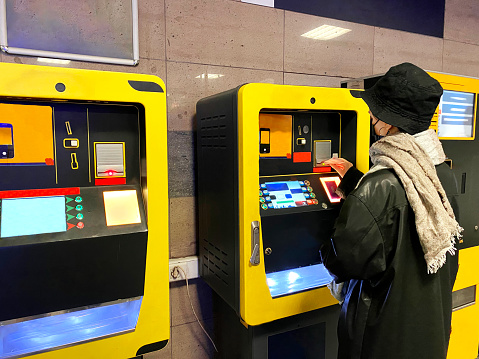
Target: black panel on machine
{"points": [[48, 277], [110, 121], [92, 261], [323, 125], [292, 236], [217, 154]]}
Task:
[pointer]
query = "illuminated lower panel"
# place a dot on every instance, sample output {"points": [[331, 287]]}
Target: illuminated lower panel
{"points": [[37, 335], [297, 280]]}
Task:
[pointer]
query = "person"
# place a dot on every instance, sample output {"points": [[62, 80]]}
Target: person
{"points": [[393, 246]]}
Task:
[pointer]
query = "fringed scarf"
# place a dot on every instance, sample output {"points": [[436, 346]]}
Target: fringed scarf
{"points": [[413, 161]]}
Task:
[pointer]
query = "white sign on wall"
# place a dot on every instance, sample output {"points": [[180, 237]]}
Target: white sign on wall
{"points": [[87, 30]]}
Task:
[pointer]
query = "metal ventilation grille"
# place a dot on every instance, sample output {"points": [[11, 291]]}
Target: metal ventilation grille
{"points": [[109, 159], [215, 261], [213, 132]]}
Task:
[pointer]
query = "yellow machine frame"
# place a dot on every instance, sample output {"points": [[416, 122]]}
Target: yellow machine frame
{"points": [[465, 329], [256, 304], [38, 82]]}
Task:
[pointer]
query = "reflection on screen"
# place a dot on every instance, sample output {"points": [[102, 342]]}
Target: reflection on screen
{"points": [[296, 280], [456, 114], [287, 194], [36, 215]]}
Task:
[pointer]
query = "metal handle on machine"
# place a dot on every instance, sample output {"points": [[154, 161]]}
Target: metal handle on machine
{"points": [[254, 260]]}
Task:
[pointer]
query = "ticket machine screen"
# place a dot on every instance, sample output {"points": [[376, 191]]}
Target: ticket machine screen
{"points": [[286, 194], [29, 216]]}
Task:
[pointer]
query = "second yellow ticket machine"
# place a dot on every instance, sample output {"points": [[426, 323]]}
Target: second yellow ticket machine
{"points": [[265, 198], [83, 272]]}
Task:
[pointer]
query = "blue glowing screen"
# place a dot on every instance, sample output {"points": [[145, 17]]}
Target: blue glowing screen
{"points": [[297, 280], [45, 333], [456, 114], [287, 194], [36, 215]]}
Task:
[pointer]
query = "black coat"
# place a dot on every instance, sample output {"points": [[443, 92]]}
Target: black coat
{"points": [[392, 307]]}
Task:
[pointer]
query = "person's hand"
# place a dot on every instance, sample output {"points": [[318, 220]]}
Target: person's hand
{"points": [[340, 165]]}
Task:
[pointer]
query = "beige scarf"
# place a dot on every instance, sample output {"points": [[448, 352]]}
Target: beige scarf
{"points": [[435, 222]]}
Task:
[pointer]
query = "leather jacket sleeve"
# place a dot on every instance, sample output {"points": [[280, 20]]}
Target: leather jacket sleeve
{"points": [[356, 249], [349, 182]]}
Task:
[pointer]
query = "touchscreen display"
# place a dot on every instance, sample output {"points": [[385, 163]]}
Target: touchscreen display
{"points": [[29, 216], [287, 194], [330, 184]]}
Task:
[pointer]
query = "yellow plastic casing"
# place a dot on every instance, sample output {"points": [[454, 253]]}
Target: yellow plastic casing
{"points": [[456, 83], [256, 304], [464, 328], [465, 331], [26, 82]]}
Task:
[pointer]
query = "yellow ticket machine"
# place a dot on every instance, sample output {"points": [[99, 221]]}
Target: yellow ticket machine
{"points": [[455, 124], [265, 200], [83, 272]]}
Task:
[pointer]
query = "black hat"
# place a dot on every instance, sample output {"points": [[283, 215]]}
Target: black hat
{"points": [[405, 97]]}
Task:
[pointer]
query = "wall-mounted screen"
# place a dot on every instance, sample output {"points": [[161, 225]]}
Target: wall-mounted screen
{"points": [[456, 115], [36, 215]]}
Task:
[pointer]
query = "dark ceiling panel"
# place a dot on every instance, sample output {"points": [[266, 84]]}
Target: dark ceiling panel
{"points": [[424, 17]]}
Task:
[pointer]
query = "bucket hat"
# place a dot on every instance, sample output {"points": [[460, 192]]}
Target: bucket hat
{"points": [[405, 97]]}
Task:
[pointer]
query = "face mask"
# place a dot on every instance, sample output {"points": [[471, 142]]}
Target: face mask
{"points": [[375, 137]]}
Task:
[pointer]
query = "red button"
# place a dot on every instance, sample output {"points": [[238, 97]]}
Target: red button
{"points": [[80, 225], [310, 202]]}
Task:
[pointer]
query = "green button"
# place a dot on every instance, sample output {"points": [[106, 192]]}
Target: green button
{"points": [[78, 199], [260, 193], [312, 195], [264, 206], [79, 207], [80, 216], [262, 200]]}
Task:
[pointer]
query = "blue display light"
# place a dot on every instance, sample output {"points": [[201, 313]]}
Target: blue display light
{"points": [[297, 280], [35, 215], [41, 334]]}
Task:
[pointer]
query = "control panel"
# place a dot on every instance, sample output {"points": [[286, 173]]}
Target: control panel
{"points": [[298, 193]]}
